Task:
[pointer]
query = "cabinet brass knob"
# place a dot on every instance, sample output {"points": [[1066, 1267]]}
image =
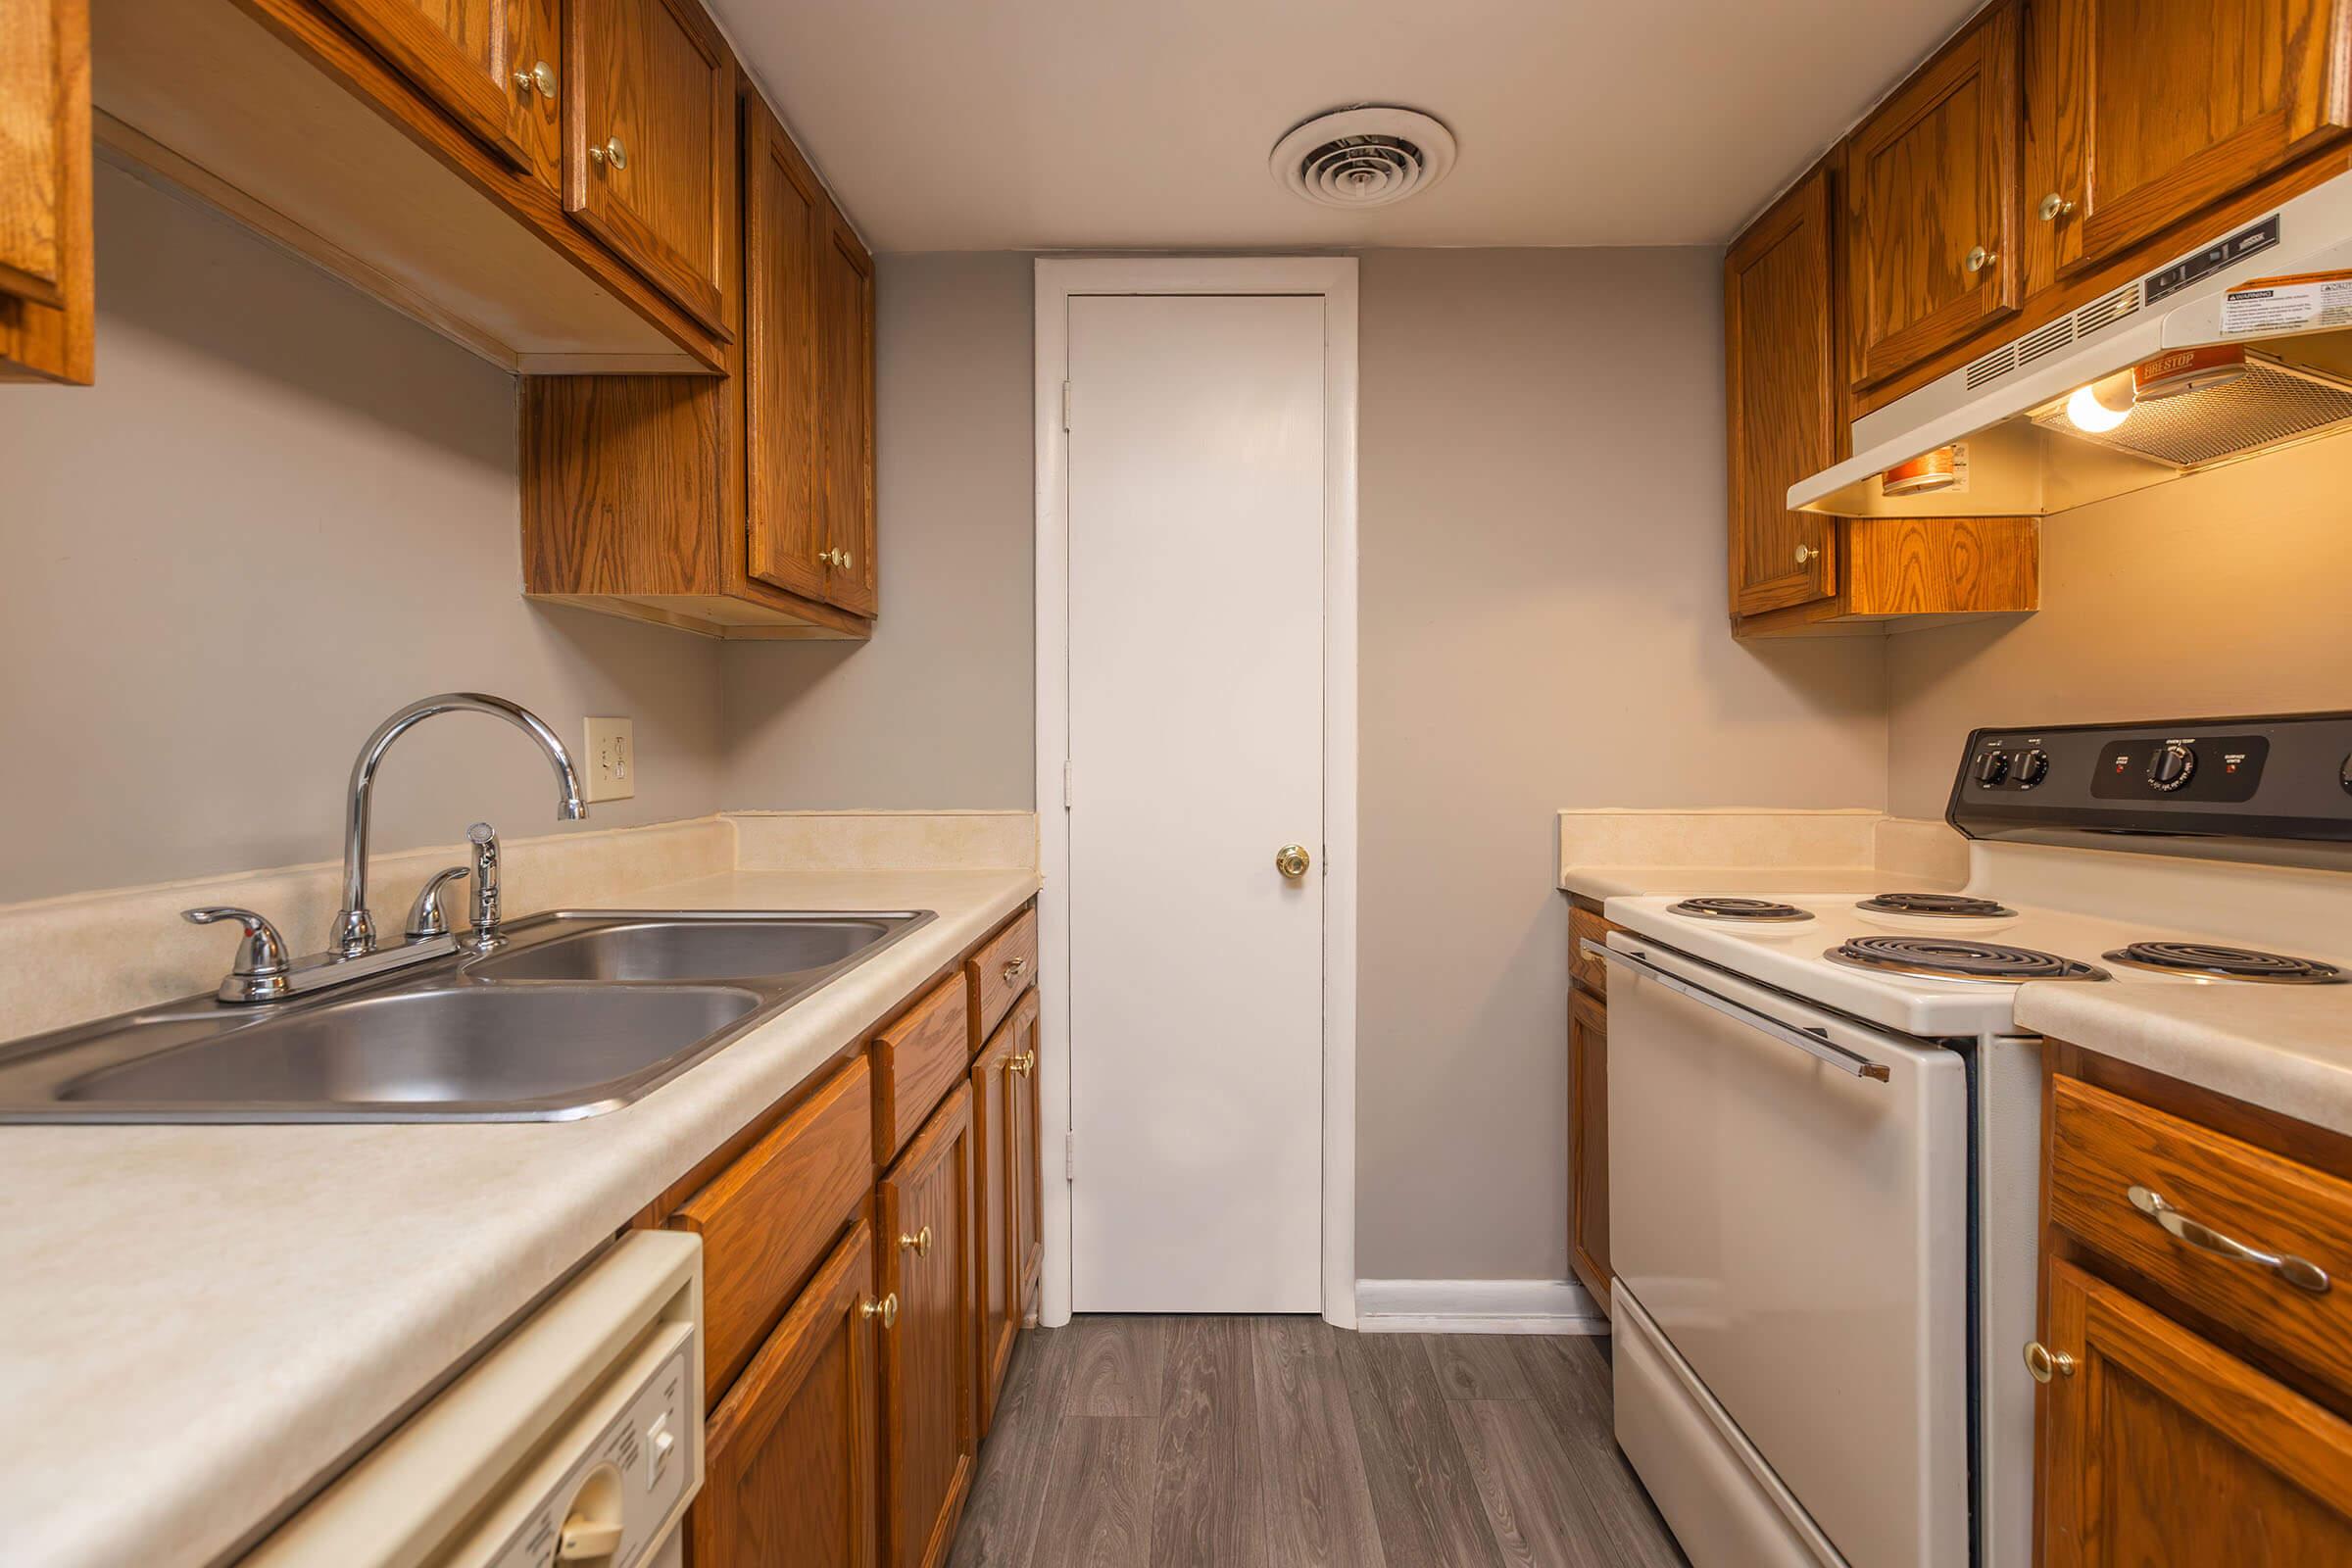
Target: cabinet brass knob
{"points": [[1805, 553], [1291, 861], [612, 152], [886, 1309], [1025, 1063], [1014, 969], [2055, 207], [2046, 1363], [541, 79], [1979, 259], [848, 560], [920, 1240]]}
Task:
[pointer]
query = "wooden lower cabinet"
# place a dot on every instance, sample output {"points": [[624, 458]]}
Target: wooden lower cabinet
{"points": [[1589, 1103], [2161, 1448], [1005, 1245], [930, 1441], [791, 1463]]}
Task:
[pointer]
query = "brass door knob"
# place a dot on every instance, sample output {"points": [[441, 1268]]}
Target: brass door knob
{"points": [[1291, 861], [886, 1309], [541, 77], [612, 152], [920, 1240], [2046, 1363]]}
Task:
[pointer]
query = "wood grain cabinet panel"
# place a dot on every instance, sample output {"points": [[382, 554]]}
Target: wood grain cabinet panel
{"points": [[792, 1469], [766, 1219], [1782, 375], [1005, 966], [846, 326], [1931, 207], [466, 54], [916, 1060], [926, 1241], [649, 143], [1024, 1150], [2140, 115], [2158, 1447], [48, 272], [1588, 1123], [785, 230], [995, 1280]]}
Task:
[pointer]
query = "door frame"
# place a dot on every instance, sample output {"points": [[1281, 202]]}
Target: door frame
{"points": [[1334, 279]]}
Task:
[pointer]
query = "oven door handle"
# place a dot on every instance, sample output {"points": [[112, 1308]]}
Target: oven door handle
{"points": [[1814, 1043]]}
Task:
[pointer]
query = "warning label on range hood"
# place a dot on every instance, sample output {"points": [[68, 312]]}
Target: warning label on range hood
{"points": [[2298, 302]]}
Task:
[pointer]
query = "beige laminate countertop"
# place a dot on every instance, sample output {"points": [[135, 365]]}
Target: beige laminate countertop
{"points": [[203, 1320], [1634, 881], [2286, 1049]]}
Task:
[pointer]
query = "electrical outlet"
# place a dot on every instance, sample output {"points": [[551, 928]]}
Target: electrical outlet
{"points": [[611, 759]]}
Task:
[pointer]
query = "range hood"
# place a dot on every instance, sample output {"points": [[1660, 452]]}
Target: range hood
{"points": [[2240, 348]]}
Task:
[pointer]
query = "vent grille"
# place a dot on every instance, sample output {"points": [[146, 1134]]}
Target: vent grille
{"points": [[2271, 406], [1993, 367], [1368, 156], [2045, 341], [2107, 312]]}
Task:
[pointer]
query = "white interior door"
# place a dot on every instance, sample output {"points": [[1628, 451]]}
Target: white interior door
{"points": [[1196, 678]]}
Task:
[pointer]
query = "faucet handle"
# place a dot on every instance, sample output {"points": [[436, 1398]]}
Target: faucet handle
{"points": [[426, 918], [259, 971]]}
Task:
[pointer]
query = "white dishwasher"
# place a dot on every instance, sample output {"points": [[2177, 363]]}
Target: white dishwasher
{"points": [[576, 1440]]}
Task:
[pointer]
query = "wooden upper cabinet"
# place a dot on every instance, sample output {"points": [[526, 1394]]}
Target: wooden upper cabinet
{"points": [[465, 55], [791, 1473], [2140, 115], [1931, 207], [649, 144], [846, 294], [786, 228], [1780, 374], [47, 275], [2159, 1447]]}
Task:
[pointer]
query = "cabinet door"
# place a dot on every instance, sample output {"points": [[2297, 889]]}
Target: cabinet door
{"points": [[464, 54], [927, 1395], [792, 1451], [846, 290], [2143, 113], [649, 142], [2158, 1447], [997, 1272], [1931, 199], [785, 231], [1026, 1176], [47, 272], [1781, 373], [1589, 1129]]}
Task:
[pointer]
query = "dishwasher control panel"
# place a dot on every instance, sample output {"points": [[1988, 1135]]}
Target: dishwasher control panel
{"points": [[627, 1480]]}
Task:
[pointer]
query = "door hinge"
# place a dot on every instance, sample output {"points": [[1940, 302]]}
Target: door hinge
{"points": [[1069, 1156], [1065, 405], [1066, 786]]}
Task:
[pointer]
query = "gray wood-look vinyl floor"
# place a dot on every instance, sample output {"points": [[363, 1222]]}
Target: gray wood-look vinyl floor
{"points": [[1284, 1443]]}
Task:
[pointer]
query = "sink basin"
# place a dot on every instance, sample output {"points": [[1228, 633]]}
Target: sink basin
{"points": [[582, 1011], [689, 950], [475, 1045]]}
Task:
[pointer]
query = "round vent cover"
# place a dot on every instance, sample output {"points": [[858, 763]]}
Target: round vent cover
{"points": [[1363, 157]]}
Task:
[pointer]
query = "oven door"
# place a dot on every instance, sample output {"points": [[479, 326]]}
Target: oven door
{"points": [[1789, 1206]]}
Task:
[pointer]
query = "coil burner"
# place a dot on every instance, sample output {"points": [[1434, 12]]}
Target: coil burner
{"points": [[1953, 958], [2228, 964], [1739, 909]]}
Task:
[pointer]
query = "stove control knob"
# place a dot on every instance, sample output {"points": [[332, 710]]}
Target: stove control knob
{"points": [[1991, 769], [2031, 768], [2171, 766], [2345, 776]]}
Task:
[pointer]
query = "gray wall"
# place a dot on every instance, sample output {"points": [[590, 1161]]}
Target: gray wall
{"points": [[1543, 625], [938, 709], [2222, 594], [281, 513]]}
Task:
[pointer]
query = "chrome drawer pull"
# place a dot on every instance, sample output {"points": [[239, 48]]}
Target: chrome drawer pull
{"points": [[1814, 1043], [2300, 1272]]}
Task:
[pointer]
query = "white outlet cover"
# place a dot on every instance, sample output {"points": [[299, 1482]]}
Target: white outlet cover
{"points": [[611, 759]]}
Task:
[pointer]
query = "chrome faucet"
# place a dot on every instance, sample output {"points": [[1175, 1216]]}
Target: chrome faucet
{"points": [[353, 932]]}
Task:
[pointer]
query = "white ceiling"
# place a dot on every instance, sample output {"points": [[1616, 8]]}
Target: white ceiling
{"points": [[996, 124]]}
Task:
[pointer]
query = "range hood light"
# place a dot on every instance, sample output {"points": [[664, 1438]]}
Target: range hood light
{"points": [[2103, 404]]}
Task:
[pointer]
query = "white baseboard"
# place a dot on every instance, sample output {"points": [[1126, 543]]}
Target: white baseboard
{"points": [[1476, 1307]]}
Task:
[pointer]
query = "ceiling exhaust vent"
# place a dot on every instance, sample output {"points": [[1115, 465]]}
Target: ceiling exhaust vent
{"points": [[1368, 156]]}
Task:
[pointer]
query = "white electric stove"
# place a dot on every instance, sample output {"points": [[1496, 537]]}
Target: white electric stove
{"points": [[1825, 1127]]}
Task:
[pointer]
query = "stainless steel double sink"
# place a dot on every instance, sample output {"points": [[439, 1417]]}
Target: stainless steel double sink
{"points": [[580, 1013]]}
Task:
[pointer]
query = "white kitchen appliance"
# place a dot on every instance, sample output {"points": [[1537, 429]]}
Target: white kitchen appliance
{"points": [[1824, 1126], [576, 1440]]}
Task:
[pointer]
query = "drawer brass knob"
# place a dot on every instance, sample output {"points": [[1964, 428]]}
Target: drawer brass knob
{"points": [[1025, 1063], [920, 1240], [1291, 861], [1014, 969], [2046, 1363], [886, 1309], [612, 152], [540, 77]]}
